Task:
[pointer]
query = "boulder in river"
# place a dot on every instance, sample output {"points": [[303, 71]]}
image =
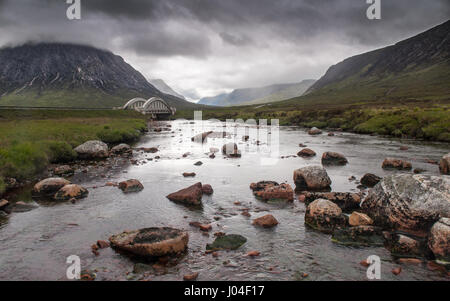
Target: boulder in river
{"points": [[227, 242], [71, 191], [207, 189], [266, 221], [272, 191], [48, 187], [347, 201], [392, 163], [63, 170], [201, 137], [370, 180], [120, 149], [131, 185], [324, 216], [444, 164], [92, 149], [312, 178], [360, 235], [191, 195], [151, 242], [333, 158], [439, 240], [3, 204], [408, 202], [231, 150], [188, 174], [314, 131], [359, 219], [306, 152], [402, 245], [23, 206]]}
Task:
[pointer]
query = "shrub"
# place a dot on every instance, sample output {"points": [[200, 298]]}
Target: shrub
{"points": [[23, 160], [60, 152]]}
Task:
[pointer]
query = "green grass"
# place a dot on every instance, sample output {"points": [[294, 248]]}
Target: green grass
{"points": [[31, 139]]}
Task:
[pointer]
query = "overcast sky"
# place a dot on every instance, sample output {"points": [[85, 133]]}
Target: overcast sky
{"points": [[205, 47]]}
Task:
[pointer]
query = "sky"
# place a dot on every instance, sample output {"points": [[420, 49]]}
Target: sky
{"points": [[206, 47]]}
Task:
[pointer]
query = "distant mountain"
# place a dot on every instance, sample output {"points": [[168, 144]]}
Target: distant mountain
{"points": [[417, 68], [68, 75], [165, 88], [265, 94]]}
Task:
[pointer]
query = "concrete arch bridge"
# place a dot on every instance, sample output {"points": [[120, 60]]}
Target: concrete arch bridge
{"points": [[155, 106]]}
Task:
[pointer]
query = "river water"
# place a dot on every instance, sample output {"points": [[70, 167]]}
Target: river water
{"points": [[34, 245]]}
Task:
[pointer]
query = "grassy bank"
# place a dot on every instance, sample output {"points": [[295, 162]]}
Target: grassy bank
{"points": [[31, 139], [414, 120]]}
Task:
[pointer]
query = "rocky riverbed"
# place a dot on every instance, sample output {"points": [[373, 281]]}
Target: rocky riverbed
{"points": [[38, 234]]}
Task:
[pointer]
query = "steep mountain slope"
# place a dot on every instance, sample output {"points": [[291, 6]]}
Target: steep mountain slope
{"points": [[165, 88], [414, 69], [257, 95], [67, 75]]}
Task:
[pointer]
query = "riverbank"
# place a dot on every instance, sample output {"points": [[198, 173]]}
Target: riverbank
{"points": [[30, 140], [414, 120]]}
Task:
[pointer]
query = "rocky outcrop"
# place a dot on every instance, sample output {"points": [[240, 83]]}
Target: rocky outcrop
{"points": [[191, 195], [359, 219], [231, 150], [370, 180], [131, 185], [439, 240], [71, 191], [312, 178], [392, 163], [207, 189], [314, 131], [272, 191], [306, 153], [121, 149], [347, 201], [266, 221], [48, 187], [332, 158], [324, 216], [444, 164], [407, 202], [92, 149], [227, 242], [359, 235], [151, 242]]}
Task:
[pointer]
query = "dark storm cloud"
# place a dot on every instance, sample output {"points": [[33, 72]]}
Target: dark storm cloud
{"points": [[205, 46]]}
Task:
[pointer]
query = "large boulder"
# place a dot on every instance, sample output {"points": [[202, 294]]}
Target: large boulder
{"points": [[332, 158], [392, 163], [48, 187], [151, 242], [71, 191], [266, 221], [231, 150], [347, 201], [314, 131], [131, 185], [272, 191], [306, 152], [191, 195], [92, 149], [444, 164], [402, 245], [324, 216], [439, 240], [122, 148], [313, 178], [370, 180], [407, 202], [227, 242], [207, 189]]}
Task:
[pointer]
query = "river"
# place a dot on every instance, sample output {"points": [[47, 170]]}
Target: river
{"points": [[34, 245]]}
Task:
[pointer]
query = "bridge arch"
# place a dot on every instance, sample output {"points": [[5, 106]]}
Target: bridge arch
{"points": [[155, 106], [134, 103]]}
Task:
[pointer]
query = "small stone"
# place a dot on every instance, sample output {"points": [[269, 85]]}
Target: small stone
{"points": [[253, 253], [190, 277], [397, 271], [266, 221]]}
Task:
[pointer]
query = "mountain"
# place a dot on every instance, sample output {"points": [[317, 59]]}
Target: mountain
{"points": [[265, 94], [165, 88], [69, 75], [417, 68]]}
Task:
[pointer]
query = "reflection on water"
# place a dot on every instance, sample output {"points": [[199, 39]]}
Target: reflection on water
{"points": [[35, 244]]}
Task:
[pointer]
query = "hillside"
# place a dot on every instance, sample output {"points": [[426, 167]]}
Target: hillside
{"points": [[68, 75], [165, 88], [414, 69], [258, 95]]}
